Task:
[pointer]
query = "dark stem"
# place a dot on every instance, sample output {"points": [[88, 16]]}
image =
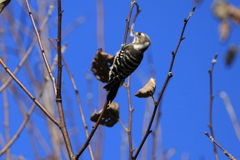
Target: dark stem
{"points": [[155, 133], [48, 114], [41, 47], [210, 125], [92, 132], [174, 53], [129, 120], [128, 87], [62, 125], [224, 151], [133, 2]]}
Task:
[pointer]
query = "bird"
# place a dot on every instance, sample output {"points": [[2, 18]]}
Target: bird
{"points": [[125, 62]]}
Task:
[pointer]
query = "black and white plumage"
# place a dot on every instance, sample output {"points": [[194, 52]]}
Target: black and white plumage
{"points": [[125, 62]]}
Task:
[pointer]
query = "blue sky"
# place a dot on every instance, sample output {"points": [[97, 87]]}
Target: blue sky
{"points": [[185, 104]]}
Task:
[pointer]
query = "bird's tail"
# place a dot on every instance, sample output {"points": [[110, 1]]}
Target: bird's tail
{"points": [[112, 92]]}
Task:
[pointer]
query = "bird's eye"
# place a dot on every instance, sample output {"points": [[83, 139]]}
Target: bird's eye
{"points": [[139, 33]]}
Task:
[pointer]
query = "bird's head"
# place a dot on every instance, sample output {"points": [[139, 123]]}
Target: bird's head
{"points": [[141, 40]]}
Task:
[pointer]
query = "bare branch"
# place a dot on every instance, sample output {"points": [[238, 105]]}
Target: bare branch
{"points": [[79, 105], [19, 131], [130, 109], [231, 113], [48, 114], [133, 2], [23, 60], [62, 125], [211, 105], [224, 151], [92, 132], [41, 48], [78, 99], [174, 53]]}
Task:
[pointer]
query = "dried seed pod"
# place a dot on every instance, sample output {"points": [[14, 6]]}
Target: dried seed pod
{"points": [[148, 90], [224, 30], [231, 55], [101, 64], [220, 9], [110, 116]]}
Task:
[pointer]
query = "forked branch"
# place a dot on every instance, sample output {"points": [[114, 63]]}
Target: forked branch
{"points": [[48, 114]]}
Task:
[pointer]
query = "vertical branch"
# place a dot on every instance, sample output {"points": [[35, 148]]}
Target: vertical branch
{"points": [[5, 99], [130, 109], [130, 120], [6, 122], [59, 41], [155, 133], [41, 47], [210, 125], [133, 2], [100, 24], [174, 53], [62, 125], [152, 72], [80, 107], [78, 99], [100, 43]]}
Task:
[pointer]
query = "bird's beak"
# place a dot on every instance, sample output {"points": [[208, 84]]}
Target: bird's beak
{"points": [[134, 32]]}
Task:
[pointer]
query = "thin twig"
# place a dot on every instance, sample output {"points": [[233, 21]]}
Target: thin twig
{"points": [[133, 2], [41, 48], [68, 30], [92, 132], [130, 109], [48, 114], [231, 113], [19, 131], [23, 111], [224, 151], [6, 123], [155, 133], [5, 102], [26, 55], [147, 112], [174, 53], [79, 105], [156, 127], [100, 44], [210, 125], [62, 125], [78, 99]]}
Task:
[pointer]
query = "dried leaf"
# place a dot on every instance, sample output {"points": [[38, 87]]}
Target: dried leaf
{"points": [[3, 4], [220, 9], [148, 90], [231, 55], [101, 64], [110, 116], [224, 30]]}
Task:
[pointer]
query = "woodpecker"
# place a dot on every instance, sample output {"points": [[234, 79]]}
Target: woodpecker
{"points": [[125, 62]]}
